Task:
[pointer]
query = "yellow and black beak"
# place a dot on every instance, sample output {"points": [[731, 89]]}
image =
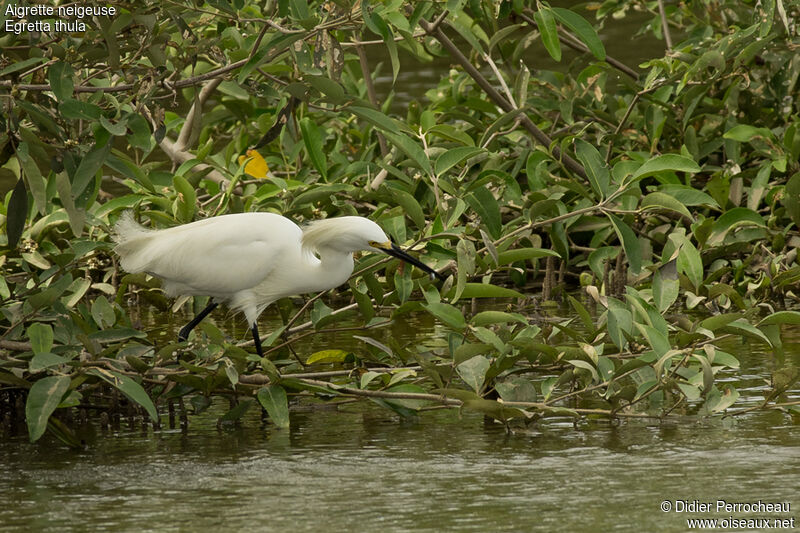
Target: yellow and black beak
{"points": [[395, 251]]}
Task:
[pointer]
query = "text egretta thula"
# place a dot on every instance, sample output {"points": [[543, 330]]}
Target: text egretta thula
{"points": [[250, 260]]}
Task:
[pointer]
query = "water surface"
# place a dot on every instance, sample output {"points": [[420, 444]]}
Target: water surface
{"points": [[362, 468]]}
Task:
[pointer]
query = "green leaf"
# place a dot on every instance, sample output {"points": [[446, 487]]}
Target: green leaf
{"points": [[454, 156], [279, 41], [378, 26], [485, 205], [140, 136], [327, 356], [312, 138], [448, 132], [598, 258], [376, 118], [77, 217], [447, 314], [605, 367], [16, 66], [708, 377], [744, 133], [665, 201], [516, 390], [497, 317], [501, 35], [187, 198], [741, 327], [468, 350], [620, 323], [491, 338], [232, 373], [596, 168], [88, 167], [657, 340], [17, 213], [485, 290], [410, 206], [549, 32], [781, 317], [579, 363], [523, 254], [103, 313], [108, 336], [403, 284], [127, 386], [118, 129], [43, 398], [629, 365], [630, 243], [584, 315], [41, 337], [582, 29], [33, 176], [719, 402], [473, 371], [273, 399], [719, 321], [496, 409], [407, 403], [43, 360], [691, 392], [724, 359], [665, 286], [689, 196], [301, 385], [78, 110], [689, 261], [60, 77], [731, 219], [548, 386], [665, 163], [411, 148], [333, 90], [237, 411]]}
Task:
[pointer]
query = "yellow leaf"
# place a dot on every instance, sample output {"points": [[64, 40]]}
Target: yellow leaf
{"points": [[256, 166]]}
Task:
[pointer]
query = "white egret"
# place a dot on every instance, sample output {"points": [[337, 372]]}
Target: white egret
{"points": [[250, 260]]}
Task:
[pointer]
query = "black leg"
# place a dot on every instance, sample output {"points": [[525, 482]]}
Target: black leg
{"points": [[257, 340], [183, 334]]}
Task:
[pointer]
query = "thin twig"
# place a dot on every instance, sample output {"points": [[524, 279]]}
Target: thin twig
{"points": [[373, 97], [499, 76], [191, 125], [665, 25]]}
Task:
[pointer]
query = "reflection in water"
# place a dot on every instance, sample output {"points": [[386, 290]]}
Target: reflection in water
{"points": [[362, 469]]}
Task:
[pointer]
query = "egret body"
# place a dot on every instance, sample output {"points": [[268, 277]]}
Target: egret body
{"points": [[249, 260]]}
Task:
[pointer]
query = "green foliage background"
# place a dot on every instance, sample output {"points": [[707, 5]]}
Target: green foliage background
{"points": [[662, 189]]}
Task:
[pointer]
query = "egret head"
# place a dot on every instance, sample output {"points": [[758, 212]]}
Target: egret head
{"points": [[351, 234], [342, 234]]}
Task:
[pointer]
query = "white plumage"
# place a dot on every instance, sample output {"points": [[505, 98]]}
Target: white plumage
{"points": [[249, 260]]}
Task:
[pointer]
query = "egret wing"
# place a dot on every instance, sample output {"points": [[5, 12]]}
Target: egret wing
{"points": [[221, 255]]}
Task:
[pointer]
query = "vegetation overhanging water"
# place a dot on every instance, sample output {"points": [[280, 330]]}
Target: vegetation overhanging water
{"points": [[658, 202]]}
